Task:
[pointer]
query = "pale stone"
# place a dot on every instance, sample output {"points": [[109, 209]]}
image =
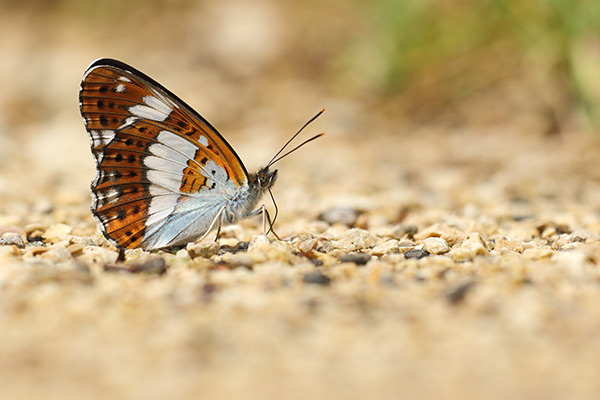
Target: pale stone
{"points": [[537, 253], [57, 233], [202, 249], [319, 244], [450, 235], [389, 247], [96, 254], [75, 249], [56, 253], [502, 244], [471, 247], [436, 245], [355, 239]]}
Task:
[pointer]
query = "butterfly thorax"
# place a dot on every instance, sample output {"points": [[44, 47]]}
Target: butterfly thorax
{"points": [[245, 202]]}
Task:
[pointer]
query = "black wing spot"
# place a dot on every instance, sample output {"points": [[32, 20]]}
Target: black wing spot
{"points": [[119, 157], [129, 233], [103, 88], [121, 214], [134, 190], [204, 161], [118, 175], [129, 142], [142, 129], [100, 104], [111, 104], [214, 185], [103, 120], [132, 174], [140, 144], [191, 133], [131, 158], [181, 124], [115, 120], [210, 146], [136, 209], [213, 172]]}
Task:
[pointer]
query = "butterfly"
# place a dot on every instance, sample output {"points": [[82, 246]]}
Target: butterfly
{"points": [[164, 174]]}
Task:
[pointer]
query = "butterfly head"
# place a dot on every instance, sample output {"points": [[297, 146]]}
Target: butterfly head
{"points": [[265, 179]]}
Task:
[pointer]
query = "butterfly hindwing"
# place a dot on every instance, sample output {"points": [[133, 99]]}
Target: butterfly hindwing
{"points": [[156, 159]]}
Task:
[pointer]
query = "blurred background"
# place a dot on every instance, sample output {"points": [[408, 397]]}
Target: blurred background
{"points": [[382, 67]]}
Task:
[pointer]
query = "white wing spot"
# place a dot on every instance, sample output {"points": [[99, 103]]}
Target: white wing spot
{"points": [[157, 104], [128, 121], [176, 142], [101, 138], [214, 174], [120, 88], [148, 113], [163, 203], [156, 110], [124, 79], [203, 140]]}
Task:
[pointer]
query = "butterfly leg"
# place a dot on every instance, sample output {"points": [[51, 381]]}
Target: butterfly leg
{"points": [[218, 230], [266, 219], [216, 220]]}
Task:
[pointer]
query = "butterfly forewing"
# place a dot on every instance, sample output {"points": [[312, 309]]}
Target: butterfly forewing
{"points": [[153, 153]]}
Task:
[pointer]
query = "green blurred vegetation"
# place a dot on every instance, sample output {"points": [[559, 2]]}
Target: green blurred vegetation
{"points": [[460, 47], [425, 55]]}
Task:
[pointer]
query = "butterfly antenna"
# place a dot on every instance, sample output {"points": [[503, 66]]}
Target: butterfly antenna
{"points": [[275, 157], [296, 148]]}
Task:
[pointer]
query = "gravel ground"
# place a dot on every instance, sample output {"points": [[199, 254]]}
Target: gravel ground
{"points": [[431, 264]]}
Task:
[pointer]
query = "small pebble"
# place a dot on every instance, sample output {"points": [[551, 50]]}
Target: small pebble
{"points": [[56, 253], [154, 265], [356, 258], [341, 215], [101, 255], [76, 249], [57, 233], [12, 239], [202, 249], [457, 294], [408, 230], [449, 234], [319, 244], [316, 277], [472, 246], [389, 247], [355, 239], [436, 245], [416, 253], [235, 260]]}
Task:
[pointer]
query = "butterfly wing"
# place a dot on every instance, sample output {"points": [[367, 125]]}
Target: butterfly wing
{"points": [[163, 172]]}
